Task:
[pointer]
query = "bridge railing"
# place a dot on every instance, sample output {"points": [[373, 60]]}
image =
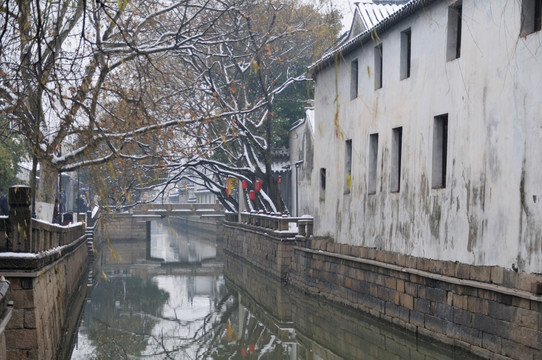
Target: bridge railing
{"points": [[276, 222], [47, 236], [176, 207]]}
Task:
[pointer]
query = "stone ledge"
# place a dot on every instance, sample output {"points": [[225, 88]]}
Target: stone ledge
{"points": [[280, 236], [29, 262], [448, 279], [491, 274]]}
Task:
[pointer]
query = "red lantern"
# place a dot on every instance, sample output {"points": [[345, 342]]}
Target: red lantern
{"points": [[244, 184], [251, 348], [252, 195], [258, 185], [279, 180], [243, 351]]}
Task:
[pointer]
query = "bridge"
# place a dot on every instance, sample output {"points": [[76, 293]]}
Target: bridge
{"points": [[153, 210]]}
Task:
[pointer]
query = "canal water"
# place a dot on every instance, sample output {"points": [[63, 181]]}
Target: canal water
{"points": [[191, 300]]}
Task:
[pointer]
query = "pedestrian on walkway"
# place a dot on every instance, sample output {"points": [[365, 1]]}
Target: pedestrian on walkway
{"points": [[4, 207]]}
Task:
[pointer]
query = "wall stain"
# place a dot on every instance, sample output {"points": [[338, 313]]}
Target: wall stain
{"points": [[434, 218]]}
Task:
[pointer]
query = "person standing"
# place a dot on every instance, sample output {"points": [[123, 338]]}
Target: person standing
{"points": [[4, 207]]}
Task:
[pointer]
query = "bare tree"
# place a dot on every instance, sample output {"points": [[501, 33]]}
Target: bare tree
{"points": [[74, 76], [260, 50]]}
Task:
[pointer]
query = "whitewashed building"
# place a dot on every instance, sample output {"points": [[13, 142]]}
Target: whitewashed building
{"points": [[428, 132]]}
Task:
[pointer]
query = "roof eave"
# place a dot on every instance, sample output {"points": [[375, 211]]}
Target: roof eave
{"points": [[356, 42]]}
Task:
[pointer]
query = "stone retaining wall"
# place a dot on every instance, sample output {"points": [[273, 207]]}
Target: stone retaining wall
{"points": [[6, 311], [490, 311], [123, 227], [46, 266], [42, 300], [322, 330], [270, 251]]}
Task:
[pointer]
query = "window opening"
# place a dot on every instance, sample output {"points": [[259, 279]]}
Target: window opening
{"points": [[440, 151], [454, 31], [396, 153], [348, 166], [378, 66], [354, 79], [322, 183], [406, 47], [373, 158], [531, 16]]}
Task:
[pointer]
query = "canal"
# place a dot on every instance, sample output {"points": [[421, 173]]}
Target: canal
{"points": [[191, 300]]}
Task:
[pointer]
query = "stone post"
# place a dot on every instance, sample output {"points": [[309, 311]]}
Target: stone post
{"points": [[20, 218]]}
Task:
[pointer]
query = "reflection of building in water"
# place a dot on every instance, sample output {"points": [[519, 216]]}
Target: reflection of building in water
{"points": [[305, 328]]}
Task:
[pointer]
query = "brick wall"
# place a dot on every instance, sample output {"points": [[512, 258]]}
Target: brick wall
{"points": [[489, 311]]}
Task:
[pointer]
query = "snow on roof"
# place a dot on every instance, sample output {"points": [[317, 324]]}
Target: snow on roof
{"points": [[279, 166], [373, 12], [380, 24]]}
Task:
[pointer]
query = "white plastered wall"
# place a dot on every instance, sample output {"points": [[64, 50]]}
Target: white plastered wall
{"points": [[490, 211]]}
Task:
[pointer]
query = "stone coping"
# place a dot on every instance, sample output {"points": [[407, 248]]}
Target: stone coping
{"points": [[445, 278], [277, 234], [17, 262]]}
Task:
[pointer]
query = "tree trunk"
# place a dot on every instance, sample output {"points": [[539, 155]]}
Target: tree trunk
{"points": [[47, 188]]}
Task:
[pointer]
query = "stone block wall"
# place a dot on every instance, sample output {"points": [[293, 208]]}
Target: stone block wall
{"points": [[357, 335], [42, 300], [490, 311], [123, 227], [6, 312], [270, 251]]}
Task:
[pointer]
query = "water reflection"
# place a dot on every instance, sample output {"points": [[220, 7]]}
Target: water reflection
{"points": [[179, 311], [175, 244], [306, 328]]}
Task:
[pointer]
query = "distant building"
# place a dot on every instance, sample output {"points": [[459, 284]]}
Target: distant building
{"points": [[428, 132], [301, 159]]}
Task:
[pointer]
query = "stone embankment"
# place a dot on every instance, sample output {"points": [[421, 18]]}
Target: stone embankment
{"points": [[46, 267], [490, 311], [6, 311]]}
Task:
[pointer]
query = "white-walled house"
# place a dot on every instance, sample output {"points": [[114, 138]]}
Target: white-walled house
{"points": [[428, 130]]}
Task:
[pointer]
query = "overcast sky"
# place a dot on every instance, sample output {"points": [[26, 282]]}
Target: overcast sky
{"points": [[347, 10]]}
